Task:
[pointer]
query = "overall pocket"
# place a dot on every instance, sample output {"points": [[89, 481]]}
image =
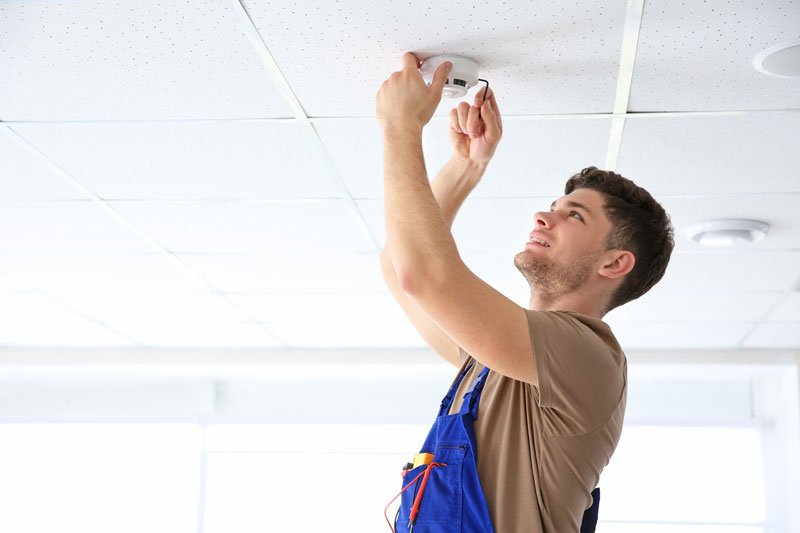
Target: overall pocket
{"points": [[440, 507]]}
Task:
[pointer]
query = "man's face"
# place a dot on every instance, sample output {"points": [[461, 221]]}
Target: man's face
{"points": [[565, 244]]}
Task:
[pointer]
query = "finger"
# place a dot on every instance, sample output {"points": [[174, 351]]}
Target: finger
{"points": [[479, 96], [440, 76], [410, 61], [463, 113], [491, 121], [454, 121], [474, 127], [496, 111]]}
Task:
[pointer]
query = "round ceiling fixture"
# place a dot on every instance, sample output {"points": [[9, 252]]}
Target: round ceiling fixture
{"points": [[463, 76], [781, 60], [727, 232]]}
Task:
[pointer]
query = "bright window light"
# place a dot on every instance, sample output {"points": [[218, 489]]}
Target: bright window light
{"points": [[684, 476], [96, 478], [131, 478]]}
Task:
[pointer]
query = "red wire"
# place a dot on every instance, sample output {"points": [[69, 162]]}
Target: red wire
{"points": [[386, 509]]}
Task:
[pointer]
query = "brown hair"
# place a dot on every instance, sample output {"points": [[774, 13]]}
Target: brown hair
{"points": [[638, 224]]}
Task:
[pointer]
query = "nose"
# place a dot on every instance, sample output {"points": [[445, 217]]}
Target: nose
{"points": [[542, 219]]}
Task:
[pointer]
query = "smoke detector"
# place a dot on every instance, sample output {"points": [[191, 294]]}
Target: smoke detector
{"points": [[781, 60], [727, 232], [463, 76]]}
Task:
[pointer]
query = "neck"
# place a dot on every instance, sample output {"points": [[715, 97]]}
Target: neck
{"points": [[578, 302]]}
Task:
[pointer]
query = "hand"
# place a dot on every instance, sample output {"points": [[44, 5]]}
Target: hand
{"points": [[475, 140], [404, 101]]}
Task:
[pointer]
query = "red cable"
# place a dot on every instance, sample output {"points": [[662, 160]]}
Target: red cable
{"points": [[419, 495]]}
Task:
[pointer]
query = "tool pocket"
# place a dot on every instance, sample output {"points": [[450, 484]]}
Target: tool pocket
{"points": [[440, 505]]}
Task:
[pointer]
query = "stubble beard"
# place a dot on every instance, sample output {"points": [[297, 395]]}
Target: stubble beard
{"points": [[550, 279]]}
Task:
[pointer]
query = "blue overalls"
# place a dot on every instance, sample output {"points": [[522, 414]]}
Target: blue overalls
{"points": [[452, 499]]}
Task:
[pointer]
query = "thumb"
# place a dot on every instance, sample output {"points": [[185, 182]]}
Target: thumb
{"points": [[440, 77]]}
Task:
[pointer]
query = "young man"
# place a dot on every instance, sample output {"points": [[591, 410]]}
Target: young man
{"points": [[552, 405]]}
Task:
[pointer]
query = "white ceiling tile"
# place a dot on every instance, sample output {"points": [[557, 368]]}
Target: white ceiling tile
{"points": [[732, 271], [133, 60], [774, 335], [679, 335], [747, 153], [698, 56], [159, 307], [788, 310], [550, 57], [482, 224], [62, 333], [560, 148], [662, 304], [191, 334], [288, 272], [222, 160], [348, 335], [230, 227], [32, 306], [65, 228], [363, 309], [780, 211], [98, 272], [26, 175]]}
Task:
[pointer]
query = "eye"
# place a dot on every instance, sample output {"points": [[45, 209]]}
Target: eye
{"points": [[578, 215]]}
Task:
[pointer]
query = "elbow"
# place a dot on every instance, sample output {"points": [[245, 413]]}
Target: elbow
{"points": [[415, 283]]}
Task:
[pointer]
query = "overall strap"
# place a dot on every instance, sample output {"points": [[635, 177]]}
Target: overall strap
{"points": [[448, 399], [473, 395]]}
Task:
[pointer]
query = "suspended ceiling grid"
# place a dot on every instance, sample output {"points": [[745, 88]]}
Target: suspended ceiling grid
{"points": [[209, 174]]}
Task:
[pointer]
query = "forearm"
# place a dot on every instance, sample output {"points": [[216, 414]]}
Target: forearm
{"points": [[449, 189]]}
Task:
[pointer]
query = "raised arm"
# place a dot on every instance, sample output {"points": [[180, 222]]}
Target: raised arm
{"points": [[450, 188], [481, 320]]}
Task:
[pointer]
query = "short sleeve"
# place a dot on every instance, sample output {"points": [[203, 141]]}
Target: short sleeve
{"points": [[580, 367]]}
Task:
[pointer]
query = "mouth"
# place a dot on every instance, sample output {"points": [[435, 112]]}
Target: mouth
{"points": [[538, 241]]}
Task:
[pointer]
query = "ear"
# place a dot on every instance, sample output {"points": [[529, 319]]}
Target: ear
{"points": [[617, 263]]}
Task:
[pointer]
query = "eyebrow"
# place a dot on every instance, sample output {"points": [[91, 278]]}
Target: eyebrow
{"points": [[572, 203]]}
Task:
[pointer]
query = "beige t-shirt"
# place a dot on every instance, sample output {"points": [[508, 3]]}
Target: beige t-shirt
{"points": [[541, 450]]}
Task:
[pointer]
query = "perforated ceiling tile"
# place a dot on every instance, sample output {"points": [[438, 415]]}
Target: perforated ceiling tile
{"points": [[66, 228], [679, 335], [224, 160], [321, 227], [191, 334], [788, 310], [150, 306], [62, 333], [483, 225], [696, 56], [774, 335], [357, 307], [780, 211], [548, 57], [288, 272], [99, 272], [765, 270], [26, 176], [664, 304], [130, 60], [534, 157], [749, 153]]}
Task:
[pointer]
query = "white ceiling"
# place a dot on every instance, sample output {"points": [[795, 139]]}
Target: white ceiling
{"points": [[209, 174]]}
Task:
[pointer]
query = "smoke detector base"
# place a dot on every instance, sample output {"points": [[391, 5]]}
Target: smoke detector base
{"points": [[780, 61], [727, 232], [463, 76]]}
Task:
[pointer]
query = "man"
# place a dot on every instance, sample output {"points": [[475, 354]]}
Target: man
{"points": [[553, 402]]}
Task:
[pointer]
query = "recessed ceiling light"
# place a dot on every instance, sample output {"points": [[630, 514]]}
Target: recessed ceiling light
{"points": [[781, 60], [727, 232]]}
